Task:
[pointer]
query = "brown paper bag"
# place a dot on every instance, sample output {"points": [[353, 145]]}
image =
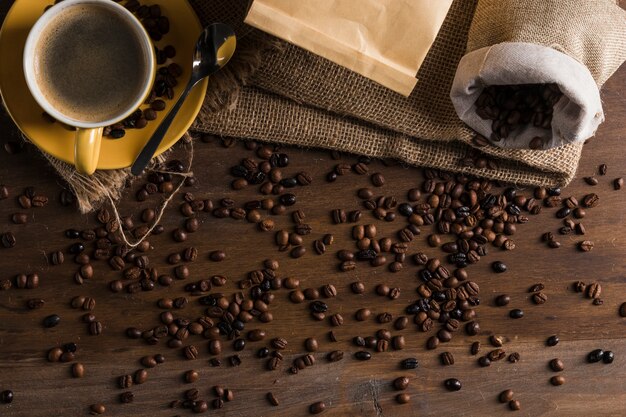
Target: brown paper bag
{"points": [[576, 44], [384, 40]]}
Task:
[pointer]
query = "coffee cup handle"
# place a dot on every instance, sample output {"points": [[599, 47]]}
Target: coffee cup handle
{"points": [[87, 149]]}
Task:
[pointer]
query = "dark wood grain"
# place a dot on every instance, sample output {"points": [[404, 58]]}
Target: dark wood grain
{"points": [[349, 387]]}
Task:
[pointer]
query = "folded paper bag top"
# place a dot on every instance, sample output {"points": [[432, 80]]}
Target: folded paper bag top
{"points": [[384, 40]]}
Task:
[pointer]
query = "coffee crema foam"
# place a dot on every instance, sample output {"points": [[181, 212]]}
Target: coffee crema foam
{"points": [[89, 64]]}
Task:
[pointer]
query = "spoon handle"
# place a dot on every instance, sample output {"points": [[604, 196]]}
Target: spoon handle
{"points": [[150, 148]]}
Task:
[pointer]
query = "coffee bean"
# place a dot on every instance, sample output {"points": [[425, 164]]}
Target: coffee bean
{"points": [[498, 267], [594, 290], [585, 245], [409, 363], [590, 200], [317, 407], [127, 397], [8, 240], [190, 352], [475, 348], [618, 183], [401, 383], [191, 376], [557, 380], [97, 409], [217, 256], [595, 355], [35, 303], [556, 365], [6, 397], [363, 314], [363, 355], [608, 357], [516, 313], [539, 298], [453, 384], [95, 328], [78, 370], [514, 357], [447, 358], [472, 328], [591, 180], [378, 180], [271, 398], [51, 320], [506, 396], [622, 309], [179, 235], [552, 341], [515, 405]]}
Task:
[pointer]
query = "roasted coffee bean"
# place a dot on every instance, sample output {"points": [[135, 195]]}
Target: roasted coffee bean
{"points": [[19, 218], [378, 180], [552, 341], [556, 365], [594, 290], [409, 363], [622, 309], [447, 358], [502, 300], [453, 384], [595, 355], [557, 380], [475, 348], [271, 398], [498, 267], [618, 183], [140, 377], [514, 357], [190, 352], [363, 314], [585, 245], [506, 396], [317, 407], [608, 357], [78, 370], [472, 328], [539, 298], [35, 303], [217, 256], [8, 240], [516, 313], [515, 405], [51, 321], [97, 409], [363, 355]]}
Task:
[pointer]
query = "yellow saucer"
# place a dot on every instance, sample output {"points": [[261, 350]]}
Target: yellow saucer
{"points": [[56, 139]]}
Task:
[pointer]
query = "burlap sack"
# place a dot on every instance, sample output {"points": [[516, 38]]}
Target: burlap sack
{"points": [[299, 98], [509, 45]]}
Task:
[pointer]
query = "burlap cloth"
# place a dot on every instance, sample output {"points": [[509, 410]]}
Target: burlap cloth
{"points": [[298, 98]]}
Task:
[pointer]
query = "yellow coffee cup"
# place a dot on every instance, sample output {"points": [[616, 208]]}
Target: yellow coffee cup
{"points": [[89, 64]]}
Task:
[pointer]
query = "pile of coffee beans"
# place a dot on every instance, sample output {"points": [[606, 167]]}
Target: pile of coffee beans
{"points": [[462, 219], [511, 107]]}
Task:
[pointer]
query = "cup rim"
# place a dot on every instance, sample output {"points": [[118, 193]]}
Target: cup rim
{"points": [[29, 70]]}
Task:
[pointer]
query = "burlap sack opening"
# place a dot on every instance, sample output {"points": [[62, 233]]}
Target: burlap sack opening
{"points": [[577, 44], [575, 117]]}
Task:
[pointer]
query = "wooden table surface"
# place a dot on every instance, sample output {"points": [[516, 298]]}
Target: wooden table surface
{"points": [[348, 387]]}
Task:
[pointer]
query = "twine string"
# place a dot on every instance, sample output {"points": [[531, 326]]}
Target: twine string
{"points": [[183, 175]]}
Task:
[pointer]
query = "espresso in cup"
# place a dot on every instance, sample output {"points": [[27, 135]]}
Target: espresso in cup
{"points": [[89, 64]]}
